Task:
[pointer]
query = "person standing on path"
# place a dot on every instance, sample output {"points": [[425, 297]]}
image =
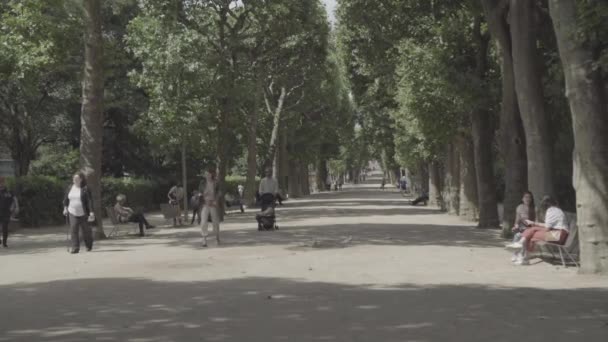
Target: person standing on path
{"points": [[176, 196], [9, 206], [211, 200], [78, 207], [269, 185]]}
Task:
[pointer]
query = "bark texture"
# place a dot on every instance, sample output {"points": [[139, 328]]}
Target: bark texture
{"points": [[91, 118], [435, 185], [528, 82], [511, 135], [585, 91], [469, 207]]}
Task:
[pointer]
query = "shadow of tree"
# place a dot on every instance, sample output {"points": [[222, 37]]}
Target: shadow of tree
{"points": [[275, 309]]}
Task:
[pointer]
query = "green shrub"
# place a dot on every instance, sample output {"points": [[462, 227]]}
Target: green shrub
{"points": [[141, 193], [40, 199], [232, 183]]}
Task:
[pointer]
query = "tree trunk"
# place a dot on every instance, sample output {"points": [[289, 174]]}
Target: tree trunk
{"points": [[276, 123], [483, 140], [468, 209], [185, 181], [528, 82], [511, 135], [321, 174], [91, 134], [283, 177], [294, 186], [222, 155], [305, 179], [585, 91], [435, 186], [252, 150], [452, 180]]}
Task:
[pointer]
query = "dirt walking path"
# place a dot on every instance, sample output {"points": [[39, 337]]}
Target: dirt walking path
{"points": [[355, 265]]}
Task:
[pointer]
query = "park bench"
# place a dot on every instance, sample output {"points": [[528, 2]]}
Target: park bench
{"points": [[116, 224], [570, 248], [169, 212]]}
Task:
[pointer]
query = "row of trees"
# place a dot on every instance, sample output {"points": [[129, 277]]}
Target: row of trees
{"points": [[141, 87], [487, 99]]}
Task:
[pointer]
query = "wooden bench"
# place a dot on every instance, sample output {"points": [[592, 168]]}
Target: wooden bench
{"points": [[116, 224], [570, 248]]}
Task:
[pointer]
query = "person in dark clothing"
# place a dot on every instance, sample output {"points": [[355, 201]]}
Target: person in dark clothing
{"points": [[126, 214], [9, 206], [196, 203], [78, 207], [424, 198]]}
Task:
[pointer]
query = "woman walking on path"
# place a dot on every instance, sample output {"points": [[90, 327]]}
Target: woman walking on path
{"points": [[211, 199], [78, 207]]}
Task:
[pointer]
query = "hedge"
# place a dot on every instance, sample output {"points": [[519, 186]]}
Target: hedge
{"points": [[40, 197]]}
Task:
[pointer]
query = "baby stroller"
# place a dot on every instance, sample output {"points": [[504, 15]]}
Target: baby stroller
{"points": [[266, 218]]}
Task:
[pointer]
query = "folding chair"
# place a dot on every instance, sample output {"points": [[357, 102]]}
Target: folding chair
{"points": [[570, 248], [116, 224]]}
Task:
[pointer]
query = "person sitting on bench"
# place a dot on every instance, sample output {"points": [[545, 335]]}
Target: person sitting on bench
{"points": [[126, 214], [423, 198], [555, 229]]}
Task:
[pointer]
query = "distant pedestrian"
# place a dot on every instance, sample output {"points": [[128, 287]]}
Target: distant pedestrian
{"points": [[9, 207], [383, 183], [196, 203], [176, 197], [78, 207], [211, 201]]}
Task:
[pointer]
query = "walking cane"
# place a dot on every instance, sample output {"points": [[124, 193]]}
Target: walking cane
{"points": [[67, 239]]}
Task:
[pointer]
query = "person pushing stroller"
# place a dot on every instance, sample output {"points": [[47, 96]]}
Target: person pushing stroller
{"points": [[269, 193]]}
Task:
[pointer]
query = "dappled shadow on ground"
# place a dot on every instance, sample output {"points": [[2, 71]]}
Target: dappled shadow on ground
{"points": [[271, 309], [335, 236]]}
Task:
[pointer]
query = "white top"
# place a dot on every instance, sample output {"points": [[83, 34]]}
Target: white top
{"points": [[556, 219], [75, 196], [209, 192], [269, 186]]}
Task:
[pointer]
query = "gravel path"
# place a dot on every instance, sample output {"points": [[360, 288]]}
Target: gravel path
{"points": [[355, 265]]}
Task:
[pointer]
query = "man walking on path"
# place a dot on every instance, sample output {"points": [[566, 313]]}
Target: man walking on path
{"points": [[8, 207]]}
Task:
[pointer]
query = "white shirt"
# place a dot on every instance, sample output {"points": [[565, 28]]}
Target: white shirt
{"points": [[556, 219], [269, 186], [75, 196], [209, 192]]}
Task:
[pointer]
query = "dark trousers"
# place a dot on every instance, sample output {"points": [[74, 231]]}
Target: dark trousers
{"points": [[196, 212], [139, 218], [4, 221], [76, 224]]}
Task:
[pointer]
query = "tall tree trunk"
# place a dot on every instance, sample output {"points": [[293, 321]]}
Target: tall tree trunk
{"points": [[483, 141], [511, 135], [468, 201], [185, 180], [222, 153], [305, 179], [284, 161], [452, 180], [276, 124], [321, 174], [252, 148], [585, 90], [295, 179], [91, 118], [435, 186], [528, 82]]}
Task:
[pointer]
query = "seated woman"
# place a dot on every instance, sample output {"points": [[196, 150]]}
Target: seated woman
{"points": [[126, 214], [525, 211], [555, 229]]}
